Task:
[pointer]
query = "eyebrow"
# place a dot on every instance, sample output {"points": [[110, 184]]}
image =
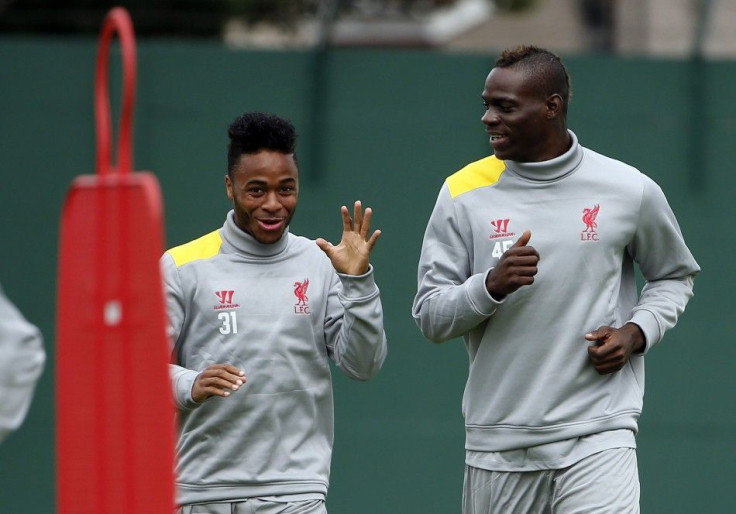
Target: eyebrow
{"points": [[256, 181], [499, 99]]}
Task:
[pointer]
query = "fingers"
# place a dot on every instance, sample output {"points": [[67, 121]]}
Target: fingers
{"points": [[598, 334], [521, 247], [373, 239], [599, 351], [602, 351], [604, 359], [516, 268], [360, 222], [523, 262], [357, 216], [607, 355], [347, 223], [365, 226], [217, 380], [323, 244], [353, 224], [606, 365], [523, 239], [233, 370]]}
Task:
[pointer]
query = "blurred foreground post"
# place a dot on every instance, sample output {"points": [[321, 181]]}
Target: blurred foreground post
{"points": [[115, 415]]}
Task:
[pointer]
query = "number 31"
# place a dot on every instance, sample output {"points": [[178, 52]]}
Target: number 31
{"points": [[229, 322]]}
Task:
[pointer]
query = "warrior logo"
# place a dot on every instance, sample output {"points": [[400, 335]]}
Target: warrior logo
{"points": [[500, 225], [500, 228], [225, 296], [589, 217], [226, 300], [300, 291]]}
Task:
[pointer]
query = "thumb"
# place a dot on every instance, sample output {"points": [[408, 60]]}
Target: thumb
{"points": [[323, 244], [523, 239], [598, 334]]}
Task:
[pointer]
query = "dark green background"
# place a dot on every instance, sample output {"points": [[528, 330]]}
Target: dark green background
{"points": [[384, 127]]}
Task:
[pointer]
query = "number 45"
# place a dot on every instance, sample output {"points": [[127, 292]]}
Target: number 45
{"points": [[500, 248], [229, 322]]}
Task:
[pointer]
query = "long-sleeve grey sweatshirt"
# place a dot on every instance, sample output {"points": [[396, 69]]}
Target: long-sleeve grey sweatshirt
{"points": [[279, 312], [22, 358], [591, 219]]}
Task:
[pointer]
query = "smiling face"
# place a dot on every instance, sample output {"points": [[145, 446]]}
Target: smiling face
{"points": [[264, 188], [523, 124]]}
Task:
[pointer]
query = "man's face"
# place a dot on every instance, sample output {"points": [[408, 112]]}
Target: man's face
{"points": [[516, 116], [264, 189]]}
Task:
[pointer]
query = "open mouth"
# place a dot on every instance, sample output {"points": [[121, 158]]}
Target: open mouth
{"points": [[270, 224]]}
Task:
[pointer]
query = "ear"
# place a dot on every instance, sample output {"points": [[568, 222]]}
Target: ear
{"points": [[229, 187], [553, 106]]}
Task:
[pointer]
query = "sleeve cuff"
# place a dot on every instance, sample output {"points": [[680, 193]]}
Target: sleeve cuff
{"points": [[358, 286], [649, 326], [184, 383], [479, 296]]}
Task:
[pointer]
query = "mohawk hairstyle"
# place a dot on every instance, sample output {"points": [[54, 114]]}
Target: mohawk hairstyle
{"points": [[551, 74], [256, 131]]}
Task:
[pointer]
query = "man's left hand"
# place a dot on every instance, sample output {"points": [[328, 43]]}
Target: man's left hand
{"points": [[613, 346], [351, 256]]}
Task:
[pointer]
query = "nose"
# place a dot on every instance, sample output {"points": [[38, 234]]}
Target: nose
{"points": [[271, 202], [489, 117]]}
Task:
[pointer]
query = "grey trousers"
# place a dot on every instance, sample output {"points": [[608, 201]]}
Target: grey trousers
{"points": [[603, 483], [256, 506]]}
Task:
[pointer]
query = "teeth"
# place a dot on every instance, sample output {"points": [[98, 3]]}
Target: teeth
{"points": [[494, 138]]}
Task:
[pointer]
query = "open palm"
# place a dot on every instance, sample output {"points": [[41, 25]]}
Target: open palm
{"points": [[351, 256]]}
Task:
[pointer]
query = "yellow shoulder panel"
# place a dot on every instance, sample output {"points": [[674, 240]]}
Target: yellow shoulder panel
{"points": [[203, 248], [484, 172]]}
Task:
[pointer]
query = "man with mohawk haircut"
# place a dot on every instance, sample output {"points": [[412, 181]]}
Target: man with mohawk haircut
{"points": [[529, 256]]}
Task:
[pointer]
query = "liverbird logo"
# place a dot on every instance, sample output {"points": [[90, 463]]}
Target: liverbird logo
{"points": [[589, 216], [300, 291]]}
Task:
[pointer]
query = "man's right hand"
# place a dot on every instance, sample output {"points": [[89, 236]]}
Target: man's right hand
{"points": [[516, 268], [217, 380]]}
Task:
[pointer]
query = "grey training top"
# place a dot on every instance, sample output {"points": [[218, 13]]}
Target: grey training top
{"points": [[279, 312], [591, 218], [22, 358]]}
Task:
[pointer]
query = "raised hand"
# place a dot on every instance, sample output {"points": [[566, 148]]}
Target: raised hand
{"points": [[217, 380], [516, 268], [351, 256]]}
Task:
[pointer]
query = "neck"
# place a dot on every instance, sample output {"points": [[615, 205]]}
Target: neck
{"points": [[561, 144], [554, 168], [245, 243]]}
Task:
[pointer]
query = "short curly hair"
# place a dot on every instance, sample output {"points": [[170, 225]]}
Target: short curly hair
{"points": [[551, 74], [256, 131]]}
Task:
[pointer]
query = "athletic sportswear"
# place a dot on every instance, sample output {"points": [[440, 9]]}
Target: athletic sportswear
{"points": [[22, 358], [256, 506], [280, 313], [591, 218], [611, 480]]}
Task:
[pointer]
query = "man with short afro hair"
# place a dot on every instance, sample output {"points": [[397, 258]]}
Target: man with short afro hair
{"points": [[256, 314]]}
